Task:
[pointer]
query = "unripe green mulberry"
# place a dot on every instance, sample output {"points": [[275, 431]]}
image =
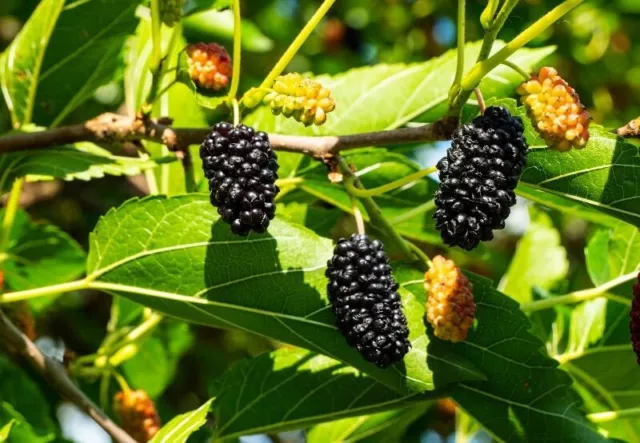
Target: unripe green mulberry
{"points": [[171, 11], [450, 305], [301, 98], [556, 110], [138, 414]]}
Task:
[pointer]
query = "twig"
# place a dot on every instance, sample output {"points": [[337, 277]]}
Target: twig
{"points": [[631, 129], [57, 377], [115, 128]]}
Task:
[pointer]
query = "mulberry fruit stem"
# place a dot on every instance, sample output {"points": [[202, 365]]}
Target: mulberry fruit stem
{"points": [[376, 216], [357, 214], [297, 43], [480, 98], [11, 297], [578, 296], [461, 39], [349, 183], [10, 214], [424, 257], [480, 70], [525, 75], [237, 52], [156, 39], [607, 416], [489, 13]]}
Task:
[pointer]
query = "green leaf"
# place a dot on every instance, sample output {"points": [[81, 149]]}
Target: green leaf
{"points": [[319, 220], [83, 54], [82, 161], [540, 260], [215, 25], [609, 375], [5, 430], [293, 388], [613, 252], [377, 167], [20, 63], [271, 284], [383, 97], [602, 175], [21, 399], [164, 349], [40, 255], [525, 397], [181, 427], [193, 6], [381, 427]]}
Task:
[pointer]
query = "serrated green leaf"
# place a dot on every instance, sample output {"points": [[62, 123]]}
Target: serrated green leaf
{"points": [[181, 427], [319, 220], [601, 176], [540, 259], [613, 252], [153, 368], [21, 61], [271, 284], [6, 430], [388, 96], [526, 397], [293, 388], [213, 25], [84, 53], [40, 255], [82, 161], [22, 400], [381, 427], [609, 375]]}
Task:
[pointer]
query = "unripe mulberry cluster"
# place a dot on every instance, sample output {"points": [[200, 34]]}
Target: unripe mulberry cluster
{"points": [[138, 414], [450, 305], [634, 319], [209, 65], [478, 176], [365, 300], [242, 169], [556, 110], [171, 11], [303, 99]]}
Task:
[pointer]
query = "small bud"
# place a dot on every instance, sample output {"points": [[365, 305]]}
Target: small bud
{"points": [[450, 305]]}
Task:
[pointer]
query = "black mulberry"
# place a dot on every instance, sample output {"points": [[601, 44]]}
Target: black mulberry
{"points": [[242, 169], [634, 319], [478, 176], [366, 302]]}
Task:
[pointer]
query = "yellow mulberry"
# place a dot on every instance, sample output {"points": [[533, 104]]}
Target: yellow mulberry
{"points": [[556, 110], [138, 414], [209, 65], [450, 305], [305, 100]]}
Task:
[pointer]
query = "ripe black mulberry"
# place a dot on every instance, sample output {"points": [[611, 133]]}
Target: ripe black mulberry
{"points": [[242, 169], [365, 300], [478, 176], [634, 319], [138, 414]]}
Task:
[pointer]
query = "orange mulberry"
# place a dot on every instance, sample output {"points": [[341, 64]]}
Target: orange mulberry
{"points": [[556, 110], [305, 100], [209, 65], [138, 414], [450, 305]]}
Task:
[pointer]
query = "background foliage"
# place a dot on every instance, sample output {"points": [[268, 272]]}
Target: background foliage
{"points": [[251, 341]]}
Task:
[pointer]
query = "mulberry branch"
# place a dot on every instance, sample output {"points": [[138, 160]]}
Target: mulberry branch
{"points": [[116, 129]]}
